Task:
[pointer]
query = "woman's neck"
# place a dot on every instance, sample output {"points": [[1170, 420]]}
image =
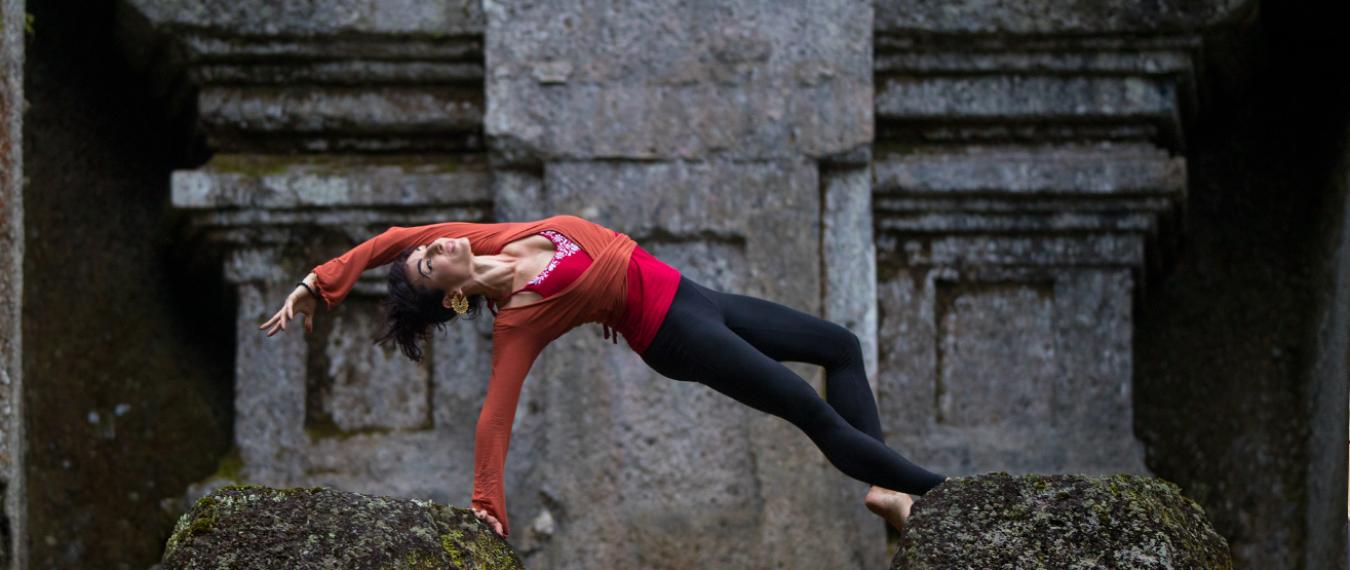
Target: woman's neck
{"points": [[494, 276]]}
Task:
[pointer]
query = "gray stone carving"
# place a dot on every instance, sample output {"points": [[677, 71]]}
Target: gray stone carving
{"points": [[1023, 185], [331, 123]]}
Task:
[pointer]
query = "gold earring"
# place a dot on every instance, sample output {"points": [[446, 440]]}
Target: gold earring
{"points": [[459, 303]]}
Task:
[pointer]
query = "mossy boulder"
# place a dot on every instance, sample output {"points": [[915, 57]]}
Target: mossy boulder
{"points": [[997, 520], [247, 527]]}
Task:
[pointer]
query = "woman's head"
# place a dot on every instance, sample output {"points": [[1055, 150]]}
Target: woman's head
{"points": [[422, 281]]}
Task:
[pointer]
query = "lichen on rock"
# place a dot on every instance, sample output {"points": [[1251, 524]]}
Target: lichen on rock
{"points": [[997, 520], [248, 527]]}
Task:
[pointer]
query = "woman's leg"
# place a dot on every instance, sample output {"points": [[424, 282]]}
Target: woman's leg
{"points": [[695, 343], [786, 334]]}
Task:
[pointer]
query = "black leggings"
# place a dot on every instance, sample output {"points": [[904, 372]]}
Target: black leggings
{"points": [[735, 344]]}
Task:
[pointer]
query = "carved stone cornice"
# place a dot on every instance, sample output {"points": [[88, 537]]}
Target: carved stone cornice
{"points": [[289, 203], [1064, 204], [939, 88], [1066, 132], [350, 77], [327, 122]]}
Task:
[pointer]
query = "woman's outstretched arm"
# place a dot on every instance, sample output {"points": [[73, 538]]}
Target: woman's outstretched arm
{"points": [[336, 276], [330, 282], [514, 350]]}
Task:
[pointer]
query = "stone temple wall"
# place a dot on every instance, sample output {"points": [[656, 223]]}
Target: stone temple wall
{"points": [[999, 199], [13, 523]]}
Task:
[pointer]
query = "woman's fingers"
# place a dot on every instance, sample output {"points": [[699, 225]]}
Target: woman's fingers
{"points": [[275, 327], [284, 316], [492, 521], [287, 313], [277, 322], [271, 321]]}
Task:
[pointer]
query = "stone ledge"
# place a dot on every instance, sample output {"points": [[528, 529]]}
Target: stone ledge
{"points": [[331, 181]]}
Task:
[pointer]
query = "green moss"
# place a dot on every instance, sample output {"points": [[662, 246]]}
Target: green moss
{"points": [[200, 519], [230, 465], [491, 551], [251, 164], [239, 487], [415, 560], [449, 541]]}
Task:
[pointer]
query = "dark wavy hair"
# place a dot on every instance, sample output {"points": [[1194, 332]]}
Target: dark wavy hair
{"points": [[411, 312]]}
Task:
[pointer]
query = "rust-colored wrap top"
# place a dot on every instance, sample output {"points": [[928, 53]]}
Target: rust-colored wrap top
{"points": [[599, 294]]}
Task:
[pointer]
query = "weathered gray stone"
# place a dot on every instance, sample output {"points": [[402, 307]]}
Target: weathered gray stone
{"points": [[849, 257], [975, 371], [305, 19], [383, 101], [278, 182], [331, 408], [669, 461], [359, 76], [253, 527], [661, 81], [970, 86], [995, 520], [1051, 16], [13, 443], [1025, 182]]}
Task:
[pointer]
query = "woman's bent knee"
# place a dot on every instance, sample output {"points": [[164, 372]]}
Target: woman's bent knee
{"points": [[846, 346]]}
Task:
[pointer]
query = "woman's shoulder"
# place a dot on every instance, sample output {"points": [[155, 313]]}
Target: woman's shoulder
{"points": [[569, 218]]}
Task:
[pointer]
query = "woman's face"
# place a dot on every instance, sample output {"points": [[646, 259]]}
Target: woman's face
{"points": [[443, 264]]}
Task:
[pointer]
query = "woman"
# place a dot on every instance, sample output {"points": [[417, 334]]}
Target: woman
{"points": [[554, 274]]}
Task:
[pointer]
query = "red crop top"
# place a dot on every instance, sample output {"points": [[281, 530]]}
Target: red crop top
{"points": [[568, 263], [651, 287]]}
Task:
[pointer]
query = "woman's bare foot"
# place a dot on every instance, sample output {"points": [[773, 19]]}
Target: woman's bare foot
{"points": [[890, 505]]}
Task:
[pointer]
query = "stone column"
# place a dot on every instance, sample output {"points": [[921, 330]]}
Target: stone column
{"points": [[1028, 173], [330, 123], [704, 132], [13, 495]]}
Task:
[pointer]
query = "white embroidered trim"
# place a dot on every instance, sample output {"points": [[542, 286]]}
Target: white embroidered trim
{"points": [[562, 248]]}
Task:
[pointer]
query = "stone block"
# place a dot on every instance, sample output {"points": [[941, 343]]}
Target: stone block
{"points": [[252, 527], [995, 520]]}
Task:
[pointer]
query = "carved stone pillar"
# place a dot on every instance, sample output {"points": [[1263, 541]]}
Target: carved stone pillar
{"points": [[331, 122], [720, 137], [1028, 172]]}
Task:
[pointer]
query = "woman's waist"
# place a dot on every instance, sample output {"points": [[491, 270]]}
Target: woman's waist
{"points": [[644, 272]]}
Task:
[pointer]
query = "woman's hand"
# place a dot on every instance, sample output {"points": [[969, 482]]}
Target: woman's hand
{"points": [[299, 301], [491, 521]]}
